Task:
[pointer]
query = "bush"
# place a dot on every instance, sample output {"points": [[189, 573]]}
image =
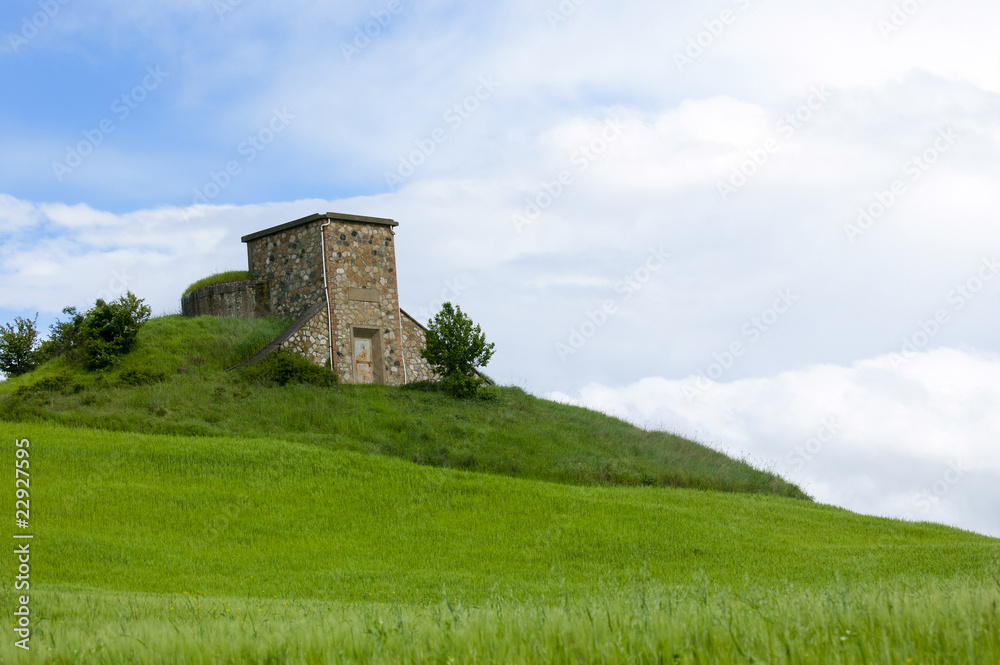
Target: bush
{"points": [[19, 346], [64, 335], [109, 330], [455, 348], [283, 367], [62, 384], [141, 377]]}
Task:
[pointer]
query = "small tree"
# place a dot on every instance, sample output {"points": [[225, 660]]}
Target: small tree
{"points": [[109, 330], [455, 348], [19, 346], [64, 336]]}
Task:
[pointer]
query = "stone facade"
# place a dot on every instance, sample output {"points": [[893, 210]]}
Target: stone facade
{"points": [[289, 261], [248, 299], [361, 278], [414, 340], [312, 339]]}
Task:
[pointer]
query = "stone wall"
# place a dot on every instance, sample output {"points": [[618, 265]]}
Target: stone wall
{"points": [[248, 299], [312, 339], [415, 339], [361, 274], [290, 261]]}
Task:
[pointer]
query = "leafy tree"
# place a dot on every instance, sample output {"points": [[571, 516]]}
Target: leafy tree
{"points": [[19, 346], [455, 348], [64, 336], [109, 330]]}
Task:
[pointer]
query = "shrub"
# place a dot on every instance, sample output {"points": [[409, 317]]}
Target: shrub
{"points": [[455, 348], [62, 384], [141, 376], [63, 335], [283, 367], [19, 346], [109, 330]]}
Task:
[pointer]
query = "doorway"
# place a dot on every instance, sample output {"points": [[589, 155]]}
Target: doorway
{"points": [[367, 356]]}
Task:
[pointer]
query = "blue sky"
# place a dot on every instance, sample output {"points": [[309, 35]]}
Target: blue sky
{"points": [[822, 177]]}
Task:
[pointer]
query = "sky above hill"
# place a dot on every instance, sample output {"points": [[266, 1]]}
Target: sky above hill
{"points": [[771, 226]]}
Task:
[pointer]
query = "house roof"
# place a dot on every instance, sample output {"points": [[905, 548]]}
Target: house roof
{"points": [[336, 216]]}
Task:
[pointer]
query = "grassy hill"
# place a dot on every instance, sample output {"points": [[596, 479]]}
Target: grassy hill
{"points": [[173, 383], [362, 527], [171, 549], [176, 521]]}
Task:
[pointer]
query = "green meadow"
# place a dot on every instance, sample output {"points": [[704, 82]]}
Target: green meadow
{"points": [[182, 514]]}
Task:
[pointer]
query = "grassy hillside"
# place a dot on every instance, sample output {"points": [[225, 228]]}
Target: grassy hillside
{"points": [[184, 515], [155, 546], [217, 512], [218, 278], [173, 384]]}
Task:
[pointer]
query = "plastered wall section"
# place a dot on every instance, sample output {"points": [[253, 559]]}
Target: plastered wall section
{"points": [[311, 340], [291, 262], [361, 273], [415, 339]]}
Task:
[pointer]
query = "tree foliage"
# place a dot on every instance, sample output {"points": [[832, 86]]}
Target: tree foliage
{"points": [[19, 346], [94, 339], [63, 335], [110, 329], [455, 348]]}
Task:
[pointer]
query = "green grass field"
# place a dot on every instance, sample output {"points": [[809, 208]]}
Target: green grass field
{"points": [[192, 529]]}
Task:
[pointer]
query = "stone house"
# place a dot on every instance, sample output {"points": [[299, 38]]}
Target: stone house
{"points": [[335, 275]]}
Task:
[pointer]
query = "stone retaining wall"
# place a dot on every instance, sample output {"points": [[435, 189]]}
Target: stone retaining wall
{"points": [[247, 299]]}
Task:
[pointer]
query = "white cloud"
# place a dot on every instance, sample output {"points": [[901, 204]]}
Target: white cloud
{"points": [[16, 215]]}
